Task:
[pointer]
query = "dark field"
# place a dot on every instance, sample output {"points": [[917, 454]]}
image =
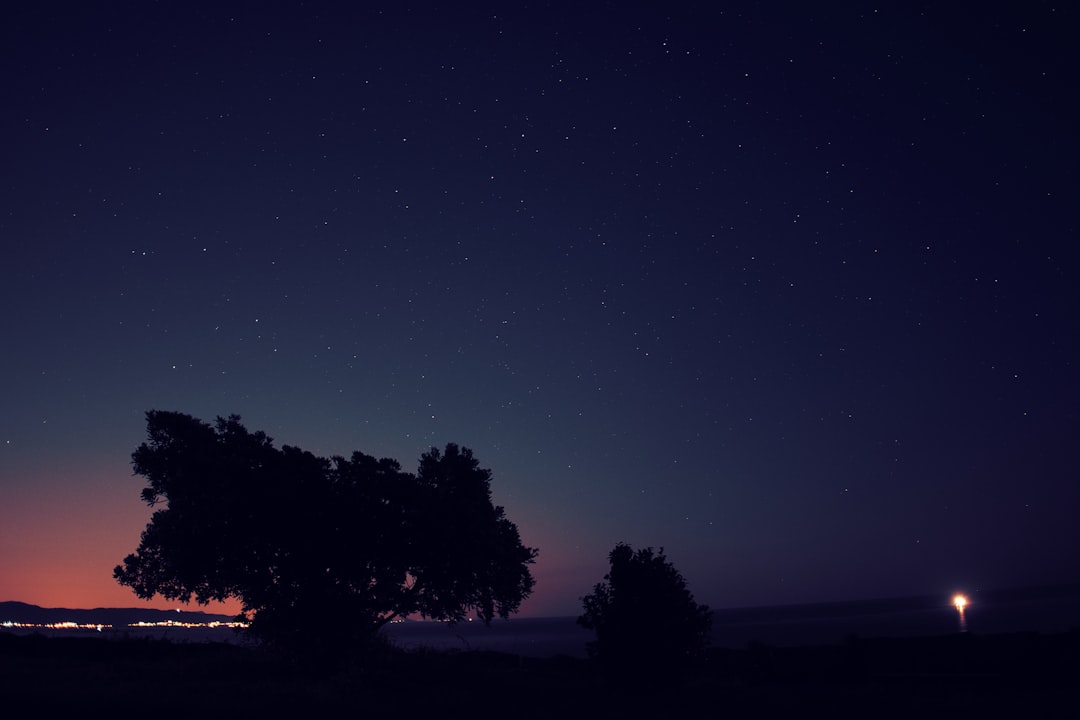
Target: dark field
{"points": [[949, 676]]}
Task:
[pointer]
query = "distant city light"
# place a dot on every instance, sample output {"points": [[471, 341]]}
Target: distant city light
{"points": [[54, 626], [141, 625], [178, 624]]}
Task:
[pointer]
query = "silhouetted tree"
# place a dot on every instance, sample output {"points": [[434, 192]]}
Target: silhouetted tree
{"points": [[320, 552], [648, 627]]}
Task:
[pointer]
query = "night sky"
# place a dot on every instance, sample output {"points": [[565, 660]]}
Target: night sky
{"points": [[790, 292]]}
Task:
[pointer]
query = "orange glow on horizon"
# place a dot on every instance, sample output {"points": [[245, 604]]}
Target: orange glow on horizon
{"points": [[61, 554]]}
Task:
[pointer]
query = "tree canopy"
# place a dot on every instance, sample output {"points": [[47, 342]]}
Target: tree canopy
{"points": [[316, 549], [647, 624]]}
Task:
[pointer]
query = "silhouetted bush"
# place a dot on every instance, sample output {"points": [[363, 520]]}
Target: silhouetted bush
{"points": [[648, 627]]}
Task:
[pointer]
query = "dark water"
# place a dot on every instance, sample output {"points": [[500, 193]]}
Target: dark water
{"points": [[1046, 610], [530, 637]]}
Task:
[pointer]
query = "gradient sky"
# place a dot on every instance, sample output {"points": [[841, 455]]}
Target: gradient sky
{"points": [[791, 292]]}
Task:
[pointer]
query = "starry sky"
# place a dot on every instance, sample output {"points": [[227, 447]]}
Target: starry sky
{"points": [[790, 291]]}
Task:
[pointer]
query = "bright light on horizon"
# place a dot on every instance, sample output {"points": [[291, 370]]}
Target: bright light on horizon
{"points": [[960, 602]]}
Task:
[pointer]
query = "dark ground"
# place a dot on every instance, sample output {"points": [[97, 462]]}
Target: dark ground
{"points": [[957, 676]]}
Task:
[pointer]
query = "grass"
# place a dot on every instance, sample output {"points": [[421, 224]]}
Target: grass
{"points": [[955, 676]]}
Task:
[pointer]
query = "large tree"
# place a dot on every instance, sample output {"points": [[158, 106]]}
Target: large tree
{"points": [[320, 552]]}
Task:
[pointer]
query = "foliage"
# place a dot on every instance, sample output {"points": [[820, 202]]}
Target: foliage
{"points": [[646, 621], [320, 552]]}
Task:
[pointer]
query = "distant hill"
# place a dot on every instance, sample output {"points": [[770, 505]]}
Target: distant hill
{"points": [[25, 613]]}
